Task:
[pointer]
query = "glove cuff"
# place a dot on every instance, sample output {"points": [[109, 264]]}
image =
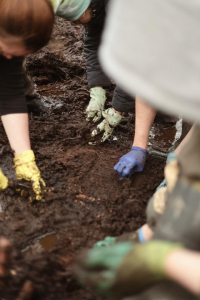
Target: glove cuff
{"points": [[139, 149], [112, 117], [171, 156], [98, 92], [24, 157]]}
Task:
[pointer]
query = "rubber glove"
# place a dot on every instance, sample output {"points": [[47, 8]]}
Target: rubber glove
{"points": [[171, 156], [26, 168], [107, 242], [131, 162], [110, 241], [123, 269], [111, 120], [96, 105], [3, 181]]}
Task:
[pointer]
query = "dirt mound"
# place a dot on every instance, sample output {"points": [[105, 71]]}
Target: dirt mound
{"points": [[89, 201]]}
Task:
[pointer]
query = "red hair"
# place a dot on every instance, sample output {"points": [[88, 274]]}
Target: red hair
{"points": [[29, 20]]}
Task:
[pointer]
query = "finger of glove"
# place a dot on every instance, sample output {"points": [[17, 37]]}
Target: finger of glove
{"points": [[119, 168], [95, 132], [41, 190], [3, 185], [43, 185], [93, 259], [106, 134], [90, 114], [36, 187], [127, 168], [100, 281], [99, 129], [100, 244], [3, 181], [97, 117], [96, 279], [105, 257], [108, 241], [38, 197]]}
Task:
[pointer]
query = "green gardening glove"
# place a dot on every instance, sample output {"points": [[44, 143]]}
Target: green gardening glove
{"points": [[111, 120], [107, 242], [123, 269], [96, 105], [126, 237]]}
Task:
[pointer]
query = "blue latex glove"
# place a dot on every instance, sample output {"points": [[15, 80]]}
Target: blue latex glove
{"points": [[131, 162]]}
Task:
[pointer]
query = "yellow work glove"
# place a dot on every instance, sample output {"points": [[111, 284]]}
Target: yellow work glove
{"points": [[26, 168], [3, 181]]}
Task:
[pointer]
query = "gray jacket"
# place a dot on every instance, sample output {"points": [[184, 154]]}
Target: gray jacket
{"points": [[92, 39]]}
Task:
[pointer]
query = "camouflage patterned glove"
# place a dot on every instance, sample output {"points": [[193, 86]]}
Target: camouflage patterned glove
{"points": [[123, 269], [111, 120], [126, 237], [96, 105]]}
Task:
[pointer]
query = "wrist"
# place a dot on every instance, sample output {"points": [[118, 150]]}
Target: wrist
{"points": [[20, 151], [24, 157], [140, 141], [139, 149], [119, 112], [140, 144]]}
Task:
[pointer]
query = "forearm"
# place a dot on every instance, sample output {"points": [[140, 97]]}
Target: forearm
{"points": [[184, 141], [183, 266], [17, 130], [145, 115]]}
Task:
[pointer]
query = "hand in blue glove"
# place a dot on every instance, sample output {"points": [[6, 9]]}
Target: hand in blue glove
{"points": [[131, 162]]}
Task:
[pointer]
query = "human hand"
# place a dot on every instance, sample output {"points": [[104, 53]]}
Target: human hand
{"points": [[131, 162], [26, 168], [3, 181], [96, 104], [123, 269], [111, 120], [170, 157]]}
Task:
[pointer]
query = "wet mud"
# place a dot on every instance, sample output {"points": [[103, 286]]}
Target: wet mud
{"points": [[86, 200]]}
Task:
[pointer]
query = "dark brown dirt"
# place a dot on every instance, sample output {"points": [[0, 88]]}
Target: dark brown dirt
{"points": [[89, 202]]}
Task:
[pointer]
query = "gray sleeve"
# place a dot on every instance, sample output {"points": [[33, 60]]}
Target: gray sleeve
{"points": [[95, 74], [12, 98], [122, 101]]}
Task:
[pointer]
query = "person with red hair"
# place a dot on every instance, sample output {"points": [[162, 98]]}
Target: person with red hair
{"points": [[25, 27]]}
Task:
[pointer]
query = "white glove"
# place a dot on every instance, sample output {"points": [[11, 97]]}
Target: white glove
{"points": [[96, 105], [111, 120]]}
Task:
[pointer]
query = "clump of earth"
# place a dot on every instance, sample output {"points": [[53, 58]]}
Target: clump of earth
{"points": [[89, 201]]}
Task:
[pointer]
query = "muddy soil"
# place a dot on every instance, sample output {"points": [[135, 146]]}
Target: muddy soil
{"points": [[87, 201]]}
